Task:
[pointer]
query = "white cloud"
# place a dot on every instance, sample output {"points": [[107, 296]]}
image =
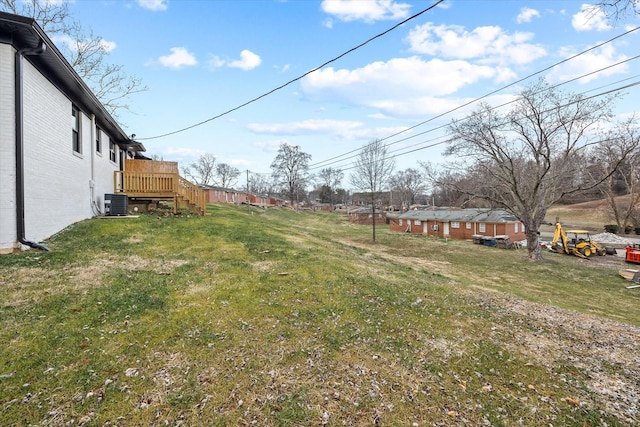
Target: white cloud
{"points": [[367, 11], [589, 62], [399, 76], [182, 152], [488, 44], [154, 5], [248, 61], [215, 62], [526, 15], [340, 129], [269, 146], [304, 127], [179, 58], [401, 87], [589, 18], [75, 46]]}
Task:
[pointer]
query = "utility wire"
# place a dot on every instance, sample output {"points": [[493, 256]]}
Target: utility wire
{"points": [[355, 153], [627, 86], [316, 165], [297, 78]]}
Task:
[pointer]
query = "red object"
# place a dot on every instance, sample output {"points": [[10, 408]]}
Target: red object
{"points": [[633, 254]]}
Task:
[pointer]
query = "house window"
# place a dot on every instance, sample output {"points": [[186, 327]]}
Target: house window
{"points": [[416, 221], [112, 151], [468, 226], [516, 225], [98, 140], [75, 130], [400, 222], [482, 227], [455, 224]]}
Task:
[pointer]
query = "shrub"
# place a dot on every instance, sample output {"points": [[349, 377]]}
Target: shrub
{"points": [[611, 228]]}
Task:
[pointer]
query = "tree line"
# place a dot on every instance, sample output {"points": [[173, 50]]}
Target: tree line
{"points": [[550, 146]]}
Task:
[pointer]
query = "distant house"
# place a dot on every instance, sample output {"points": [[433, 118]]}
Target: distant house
{"points": [[223, 195], [459, 223], [363, 215], [59, 147]]}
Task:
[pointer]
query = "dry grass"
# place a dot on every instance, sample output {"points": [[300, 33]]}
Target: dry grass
{"points": [[281, 319]]}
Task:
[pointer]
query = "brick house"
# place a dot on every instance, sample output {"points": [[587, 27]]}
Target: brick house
{"points": [[59, 147], [365, 216], [459, 223]]}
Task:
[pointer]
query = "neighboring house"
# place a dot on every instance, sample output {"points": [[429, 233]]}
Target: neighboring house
{"points": [[459, 223], [223, 195], [59, 147], [365, 216]]}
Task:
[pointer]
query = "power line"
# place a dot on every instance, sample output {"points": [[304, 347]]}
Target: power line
{"points": [[354, 153], [295, 79], [316, 165], [636, 83]]}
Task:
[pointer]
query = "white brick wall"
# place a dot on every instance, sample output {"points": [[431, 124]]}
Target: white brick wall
{"points": [[7, 150], [57, 180]]}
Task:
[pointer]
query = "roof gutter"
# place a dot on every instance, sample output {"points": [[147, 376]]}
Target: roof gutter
{"points": [[19, 131]]}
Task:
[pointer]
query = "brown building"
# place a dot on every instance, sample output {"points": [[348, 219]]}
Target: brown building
{"points": [[365, 216], [459, 223]]}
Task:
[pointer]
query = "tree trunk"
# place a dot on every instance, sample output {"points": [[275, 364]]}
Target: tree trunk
{"points": [[373, 217], [533, 244]]}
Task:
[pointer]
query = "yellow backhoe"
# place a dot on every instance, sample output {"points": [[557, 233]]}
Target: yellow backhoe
{"points": [[579, 244]]}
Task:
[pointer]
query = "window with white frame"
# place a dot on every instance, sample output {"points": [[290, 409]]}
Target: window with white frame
{"points": [[75, 130], [482, 227], [455, 224], [112, 151], [416, 221], [468, 226], [98, 140], [400, 222], [516, 227]]}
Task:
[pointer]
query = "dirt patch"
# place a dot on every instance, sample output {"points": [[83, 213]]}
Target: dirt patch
{"points": [[553, 337], [607, 352], [30, 285]]}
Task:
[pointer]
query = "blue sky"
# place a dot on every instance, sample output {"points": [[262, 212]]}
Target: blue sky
{"points": [[202, 58]]}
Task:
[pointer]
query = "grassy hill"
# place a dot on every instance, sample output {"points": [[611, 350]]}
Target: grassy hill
{"points": [[277, 318]]}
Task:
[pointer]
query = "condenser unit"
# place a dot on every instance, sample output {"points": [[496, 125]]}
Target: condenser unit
{"points": [[116, 204]]}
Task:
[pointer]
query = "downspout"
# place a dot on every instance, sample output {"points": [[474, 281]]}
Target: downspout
{"points": [[92, 181], [19, 125]]}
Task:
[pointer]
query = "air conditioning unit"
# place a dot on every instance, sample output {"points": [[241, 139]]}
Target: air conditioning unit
{"points": [[116, 204]]}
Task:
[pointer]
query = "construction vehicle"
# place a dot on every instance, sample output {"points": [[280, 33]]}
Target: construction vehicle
{"points": [[633, 254], [579, 243]]}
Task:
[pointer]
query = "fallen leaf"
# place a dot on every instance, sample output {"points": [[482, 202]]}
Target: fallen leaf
{"points": [[572, 401]]}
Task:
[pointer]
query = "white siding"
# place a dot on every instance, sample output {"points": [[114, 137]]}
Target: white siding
{"points": [[7, 150], [104, 169], [56, 179], [58, 182]]}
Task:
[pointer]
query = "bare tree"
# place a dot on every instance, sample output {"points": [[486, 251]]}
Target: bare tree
{"points": [[408, 183], [290, 170], [202, 170], [330, 178], [261, 184], [226, 175], [86, 52], [372, 170], [617, 10], [528, 159], [622, 188]]}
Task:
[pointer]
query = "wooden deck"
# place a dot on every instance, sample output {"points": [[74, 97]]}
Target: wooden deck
{"points": [[155, 181]]}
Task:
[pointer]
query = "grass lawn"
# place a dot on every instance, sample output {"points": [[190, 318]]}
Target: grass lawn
{"points": [[278, 318]]}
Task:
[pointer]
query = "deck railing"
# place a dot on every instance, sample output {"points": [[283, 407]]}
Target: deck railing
{"points": [[161, 186]]}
